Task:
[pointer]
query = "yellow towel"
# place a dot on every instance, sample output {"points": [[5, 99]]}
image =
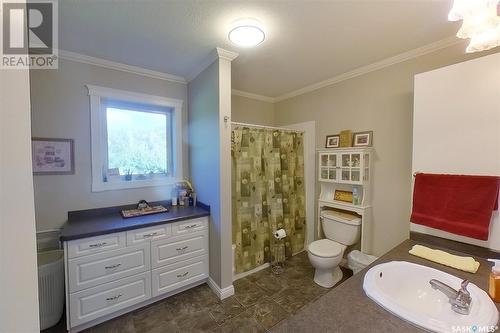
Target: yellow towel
{"points": [[467, 264]]}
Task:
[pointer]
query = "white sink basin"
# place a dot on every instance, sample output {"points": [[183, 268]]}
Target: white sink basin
{"points": [[403, 289]]}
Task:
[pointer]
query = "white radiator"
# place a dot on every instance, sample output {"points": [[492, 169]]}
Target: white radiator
{"points": [[50, 287]]}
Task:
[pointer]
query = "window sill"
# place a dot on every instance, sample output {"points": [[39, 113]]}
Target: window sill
{"points": [[131, 184]]}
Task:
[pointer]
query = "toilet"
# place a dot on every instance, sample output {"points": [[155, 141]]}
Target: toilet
{"points": [[341, 230]]}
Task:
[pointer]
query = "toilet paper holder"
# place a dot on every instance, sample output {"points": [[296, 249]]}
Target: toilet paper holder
{"points": [[278, 255], [279, 234]]}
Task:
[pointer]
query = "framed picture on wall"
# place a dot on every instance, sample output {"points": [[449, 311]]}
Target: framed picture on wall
{"points": [[363, 139], [53, 156], [332, 141]]}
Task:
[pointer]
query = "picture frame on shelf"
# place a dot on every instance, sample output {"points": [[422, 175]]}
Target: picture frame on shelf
{"points": [[53, 156], [332, 141], [344, 196], [363, 139], [345, 138]]}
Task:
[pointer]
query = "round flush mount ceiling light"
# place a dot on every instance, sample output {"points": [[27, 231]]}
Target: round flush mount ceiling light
{"points": [[246, 33]]}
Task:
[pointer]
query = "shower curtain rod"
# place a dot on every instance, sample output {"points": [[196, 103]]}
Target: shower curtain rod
{"points": [[268, 127]]}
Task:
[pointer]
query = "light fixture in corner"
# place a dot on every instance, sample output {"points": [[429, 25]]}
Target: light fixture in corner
{"points": [[481, 23], [246, 32]]}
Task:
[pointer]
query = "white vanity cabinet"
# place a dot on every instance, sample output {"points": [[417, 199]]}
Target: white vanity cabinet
{"points": [[111, 274]]}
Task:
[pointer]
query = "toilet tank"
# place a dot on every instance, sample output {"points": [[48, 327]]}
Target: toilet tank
{"points": [[344, 228]]}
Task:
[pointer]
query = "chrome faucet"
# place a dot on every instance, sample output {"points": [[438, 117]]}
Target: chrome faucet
{"points": [[460, 300]]}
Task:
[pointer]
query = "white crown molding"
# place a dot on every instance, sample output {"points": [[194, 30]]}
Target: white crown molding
{"points": [[217, 53], [253, 96], [77, 57], [222, 293], [423, 50], [225, 54]]}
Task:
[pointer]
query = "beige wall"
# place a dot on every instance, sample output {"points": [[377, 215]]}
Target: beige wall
{"points": [[204, 155], [381, 101], [60, 109], [251, 111], [456, 123], [18, 269], [210, 163]]}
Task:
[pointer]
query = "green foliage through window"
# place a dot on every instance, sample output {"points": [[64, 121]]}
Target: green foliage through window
{"points": [[137, 141]]}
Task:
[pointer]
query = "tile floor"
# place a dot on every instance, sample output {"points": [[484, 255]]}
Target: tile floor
{"points": [[261, 300]]}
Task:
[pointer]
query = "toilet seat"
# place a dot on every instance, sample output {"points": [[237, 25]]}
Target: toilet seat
{"points": [[325, 248]]}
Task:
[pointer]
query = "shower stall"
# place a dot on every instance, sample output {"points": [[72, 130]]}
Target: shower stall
{"points": [[268, 194]]}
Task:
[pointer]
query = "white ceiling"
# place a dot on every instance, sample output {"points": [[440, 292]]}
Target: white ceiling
{"points": [[307, 41]]}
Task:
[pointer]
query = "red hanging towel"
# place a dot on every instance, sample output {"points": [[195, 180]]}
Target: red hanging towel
{"points": [[458, 204]]}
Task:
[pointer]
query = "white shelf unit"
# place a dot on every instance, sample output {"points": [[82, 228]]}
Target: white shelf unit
{"points": [[346, 169]]}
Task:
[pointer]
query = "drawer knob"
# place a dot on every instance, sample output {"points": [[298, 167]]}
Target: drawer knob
{"points": [[97, 245], [191, 226], [114, 297], [150, 235], [182, 275], [182, 248], [112, 266]]}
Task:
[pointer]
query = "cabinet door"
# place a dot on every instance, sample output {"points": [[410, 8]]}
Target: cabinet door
{"points": [[91, 245], [171, 277], [345, 168], [190, 226], [356, 164], [328, 166], [323, 166], [92, 270], [93, 303], [143, 235], [169, 251], [366, 167], [332, 167]]}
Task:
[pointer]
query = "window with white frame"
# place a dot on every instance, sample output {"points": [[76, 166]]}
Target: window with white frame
{"points": [[136, 139]]}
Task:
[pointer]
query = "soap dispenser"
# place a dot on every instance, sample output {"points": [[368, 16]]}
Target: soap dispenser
{"points": [[494, 288]]}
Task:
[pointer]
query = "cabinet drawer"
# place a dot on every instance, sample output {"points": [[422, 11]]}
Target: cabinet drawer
{"points": [[184, 227], [90, 271], [168, 278], [99, 301], [86, 246], [142, 235], [169, 251]]}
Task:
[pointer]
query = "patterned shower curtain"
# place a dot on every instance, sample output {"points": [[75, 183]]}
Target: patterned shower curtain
{"points": [[268, 194]]}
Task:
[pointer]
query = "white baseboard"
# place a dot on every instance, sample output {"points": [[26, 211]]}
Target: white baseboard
{"points": [[254, 270], [222, 293], [258, 268]]}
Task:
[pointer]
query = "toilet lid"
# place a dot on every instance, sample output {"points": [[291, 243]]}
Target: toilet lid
{"points": [[325, 248]]}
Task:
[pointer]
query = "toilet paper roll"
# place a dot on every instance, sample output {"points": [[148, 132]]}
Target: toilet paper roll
{"points": [[280, 234]]}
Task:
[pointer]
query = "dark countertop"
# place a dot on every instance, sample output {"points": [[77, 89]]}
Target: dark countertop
{"points": [[94, 222], [346, 308]]}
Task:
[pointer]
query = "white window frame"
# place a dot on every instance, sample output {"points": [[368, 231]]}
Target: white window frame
{"points": [[99, 137]]}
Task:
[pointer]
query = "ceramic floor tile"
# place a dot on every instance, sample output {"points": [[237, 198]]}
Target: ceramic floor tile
{"points": [[247, 292], [272, 283], [292, 299], [152, 317], [267, 312], [124, 324], [227, 309], [198, 321], [242, 323]]}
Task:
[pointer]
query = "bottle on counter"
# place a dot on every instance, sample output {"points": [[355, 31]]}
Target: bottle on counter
{"points": [[173, 196], [494, 287], [356, 196]]}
